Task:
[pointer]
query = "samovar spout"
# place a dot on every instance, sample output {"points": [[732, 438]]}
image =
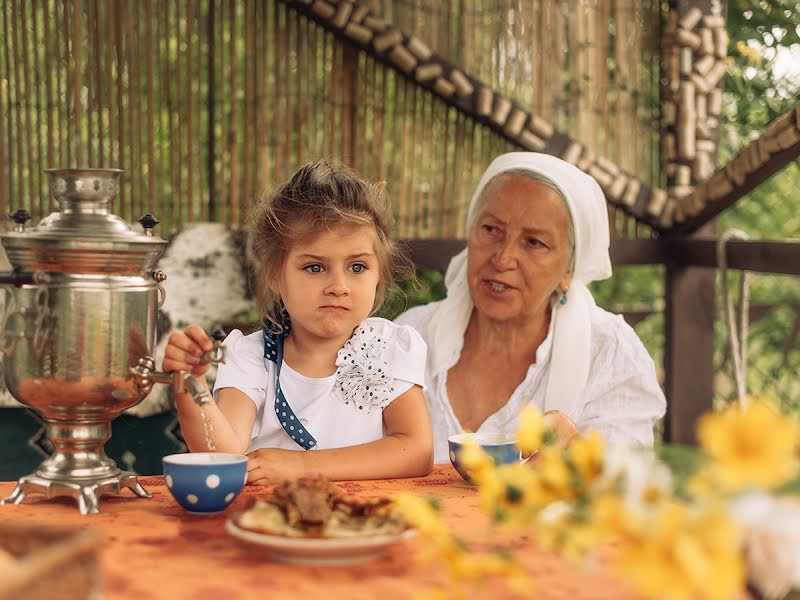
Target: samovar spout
{"points": [[145, 375]]}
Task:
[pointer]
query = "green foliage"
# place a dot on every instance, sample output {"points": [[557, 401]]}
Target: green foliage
{"points": [[762, 35], [684, 462], [427, 287], [637, 289]]}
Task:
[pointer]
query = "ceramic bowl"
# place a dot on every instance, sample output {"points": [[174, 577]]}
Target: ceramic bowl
{"points": [[502, 447], [205, 482]]}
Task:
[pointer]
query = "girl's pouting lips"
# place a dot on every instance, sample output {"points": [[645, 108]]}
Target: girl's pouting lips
{"points": [[333, 308]]}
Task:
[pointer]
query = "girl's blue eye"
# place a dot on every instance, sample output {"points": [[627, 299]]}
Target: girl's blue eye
{"points": [[358, 267], [315, 268]]}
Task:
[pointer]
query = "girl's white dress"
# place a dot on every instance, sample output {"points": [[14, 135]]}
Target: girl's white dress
{"points": [[379, 363]]}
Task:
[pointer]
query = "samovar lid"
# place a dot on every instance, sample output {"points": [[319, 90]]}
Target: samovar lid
{"points": [[83, 236]]}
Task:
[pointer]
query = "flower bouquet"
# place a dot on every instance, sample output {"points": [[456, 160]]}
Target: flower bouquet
{"points": [[683, 523]]}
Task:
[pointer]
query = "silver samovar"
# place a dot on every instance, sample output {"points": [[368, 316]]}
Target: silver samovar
{"points": [[79, 331]]}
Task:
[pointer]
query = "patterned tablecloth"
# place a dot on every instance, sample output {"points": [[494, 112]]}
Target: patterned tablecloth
{"points": [[153, 549]]}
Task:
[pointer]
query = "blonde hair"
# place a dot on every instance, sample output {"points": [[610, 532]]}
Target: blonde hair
{"points": [[317, 198]]}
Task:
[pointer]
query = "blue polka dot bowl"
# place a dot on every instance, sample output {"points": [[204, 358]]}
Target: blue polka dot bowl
{"points": [[205, 482], [502, 447]]}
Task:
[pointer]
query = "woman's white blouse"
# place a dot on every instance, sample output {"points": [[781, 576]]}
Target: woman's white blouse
{"points": [[622, 397], [379, 363]]}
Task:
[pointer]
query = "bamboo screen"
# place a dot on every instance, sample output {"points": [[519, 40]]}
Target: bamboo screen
{"points": [[207, 102]]}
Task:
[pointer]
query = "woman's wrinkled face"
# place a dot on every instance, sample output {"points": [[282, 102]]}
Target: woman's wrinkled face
{"points": [[519, 249]]}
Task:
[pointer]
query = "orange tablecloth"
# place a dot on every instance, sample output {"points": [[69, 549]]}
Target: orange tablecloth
{"points": [[152, 548]]}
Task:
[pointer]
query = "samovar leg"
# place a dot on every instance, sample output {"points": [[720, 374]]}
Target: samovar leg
{"points": [[17, 496], [130, 481], [88, 501]]}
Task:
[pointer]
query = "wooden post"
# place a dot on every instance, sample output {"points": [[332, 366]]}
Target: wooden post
{"points": [[688, 349]]}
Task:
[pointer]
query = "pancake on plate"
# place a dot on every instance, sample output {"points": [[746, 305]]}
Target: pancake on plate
{"points": [[314, 507]]}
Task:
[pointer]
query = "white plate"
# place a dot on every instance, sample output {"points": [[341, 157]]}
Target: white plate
{"points": [[321, 551]]}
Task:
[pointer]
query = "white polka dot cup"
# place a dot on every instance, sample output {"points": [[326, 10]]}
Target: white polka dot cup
{"points": [[205, 482]]}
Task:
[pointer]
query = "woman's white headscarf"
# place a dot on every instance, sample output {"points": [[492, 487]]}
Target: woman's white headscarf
{"points": [[570, 355]]}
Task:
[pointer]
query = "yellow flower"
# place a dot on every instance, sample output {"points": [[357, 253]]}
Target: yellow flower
{"points": [[475, 461], [675, 554], [750, 446], [587, 456], [555, 475], [464, 567], [531, 430], [424, 517], [752, 55], [513, 494]]}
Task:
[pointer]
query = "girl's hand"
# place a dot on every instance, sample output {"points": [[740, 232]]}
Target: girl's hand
{"points": [[185, 350], [272, 465]]}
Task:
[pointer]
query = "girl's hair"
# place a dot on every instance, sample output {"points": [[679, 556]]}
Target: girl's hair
{"points": [[317, 198]]}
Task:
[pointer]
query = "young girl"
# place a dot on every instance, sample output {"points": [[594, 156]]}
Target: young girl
{"points": [[322, 388]]}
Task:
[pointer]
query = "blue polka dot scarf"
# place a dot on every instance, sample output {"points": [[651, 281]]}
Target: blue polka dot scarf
{"points": [[273, 352]]}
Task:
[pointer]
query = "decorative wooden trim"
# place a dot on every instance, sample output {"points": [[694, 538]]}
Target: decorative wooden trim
{"points": [[772, 151], [695, 44], [416, 61]]}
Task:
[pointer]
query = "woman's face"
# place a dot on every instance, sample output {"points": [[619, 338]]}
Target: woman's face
{"points": [[519, 249]]}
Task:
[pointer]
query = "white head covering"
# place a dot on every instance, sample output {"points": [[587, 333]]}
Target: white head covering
{"points": [[570, 355]]}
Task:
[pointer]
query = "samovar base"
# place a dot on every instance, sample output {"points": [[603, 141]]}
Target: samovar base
{"points": [[87, 493]]}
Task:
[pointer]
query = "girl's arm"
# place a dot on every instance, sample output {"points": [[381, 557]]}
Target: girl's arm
{"points": [[405, 451], [231, 420]]}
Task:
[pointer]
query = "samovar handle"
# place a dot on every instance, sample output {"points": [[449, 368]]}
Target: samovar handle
{"points": [[159, 276]]}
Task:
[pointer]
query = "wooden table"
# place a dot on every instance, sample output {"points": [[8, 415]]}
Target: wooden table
{"points": [[152, 548]]}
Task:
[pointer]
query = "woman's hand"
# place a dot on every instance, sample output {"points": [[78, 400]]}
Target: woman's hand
{"points": [[185, 350], [564, 428], [272, 465]]}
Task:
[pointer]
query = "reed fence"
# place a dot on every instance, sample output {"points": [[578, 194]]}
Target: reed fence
{"points": [[206, 103]]}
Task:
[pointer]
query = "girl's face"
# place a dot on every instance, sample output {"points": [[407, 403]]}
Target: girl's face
{"points": [[519, 250], [329, 281]]}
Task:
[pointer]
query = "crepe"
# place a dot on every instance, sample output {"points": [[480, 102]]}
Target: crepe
{"points": [[316, 508]]}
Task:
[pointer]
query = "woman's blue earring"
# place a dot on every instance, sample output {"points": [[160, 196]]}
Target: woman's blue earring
{"points": [[563, 298]]}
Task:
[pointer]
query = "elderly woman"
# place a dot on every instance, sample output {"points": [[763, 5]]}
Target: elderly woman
{"points": [[519, 326]]}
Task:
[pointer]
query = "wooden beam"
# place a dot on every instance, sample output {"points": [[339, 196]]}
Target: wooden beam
{"points": [[632, 317], [433, 254], [762, 256], [436, 253], [637, 252]]}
